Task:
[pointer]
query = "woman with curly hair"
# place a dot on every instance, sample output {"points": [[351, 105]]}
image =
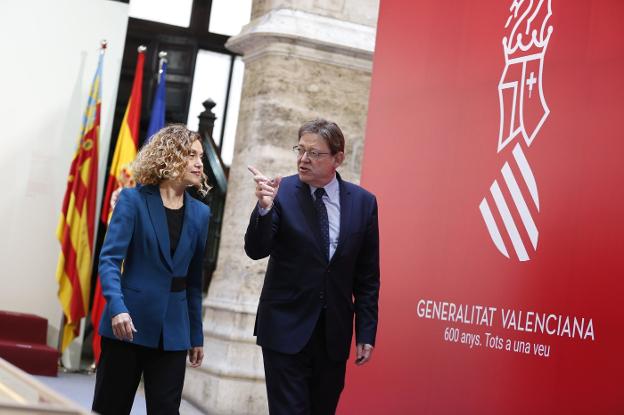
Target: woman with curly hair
{"points": [[151, 274]]}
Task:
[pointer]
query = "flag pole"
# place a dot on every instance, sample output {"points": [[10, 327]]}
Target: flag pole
{"points": [[59, 343]]}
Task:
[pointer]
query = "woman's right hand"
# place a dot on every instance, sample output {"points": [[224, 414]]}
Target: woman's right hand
{"points": [[123, 327]]}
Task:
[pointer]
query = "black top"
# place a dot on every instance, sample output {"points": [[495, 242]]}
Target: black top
{"points": [[175, 218]]}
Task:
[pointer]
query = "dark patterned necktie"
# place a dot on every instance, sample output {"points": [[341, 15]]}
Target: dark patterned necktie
{"points": [[321, 214]]}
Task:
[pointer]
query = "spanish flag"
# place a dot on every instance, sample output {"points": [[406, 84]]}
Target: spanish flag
{"points": [[128, 139], [76, 227], [125, 153]]}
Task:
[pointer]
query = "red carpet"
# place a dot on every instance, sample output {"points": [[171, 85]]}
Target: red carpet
{"points": [[23, 343]]}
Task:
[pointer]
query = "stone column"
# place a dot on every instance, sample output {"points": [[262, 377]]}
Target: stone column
{"points": [[303, 59]]}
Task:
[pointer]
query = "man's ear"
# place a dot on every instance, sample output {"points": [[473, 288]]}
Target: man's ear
{"points": [[339, 158]]}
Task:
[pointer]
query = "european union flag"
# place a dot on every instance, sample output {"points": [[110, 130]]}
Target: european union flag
{"points": [[157, 117]]}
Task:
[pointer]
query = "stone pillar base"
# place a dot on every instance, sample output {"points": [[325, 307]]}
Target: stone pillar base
{"points": [[219, 395], [231, 378]]}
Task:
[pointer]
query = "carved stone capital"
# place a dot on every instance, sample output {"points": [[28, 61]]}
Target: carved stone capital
{"points": [[308, 36]]}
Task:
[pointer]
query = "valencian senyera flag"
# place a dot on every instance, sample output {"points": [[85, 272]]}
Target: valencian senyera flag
{"points": [[76, 227], [125, 153]]}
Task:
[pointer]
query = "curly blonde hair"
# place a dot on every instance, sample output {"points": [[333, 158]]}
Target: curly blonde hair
{"points": [[165, 157]]}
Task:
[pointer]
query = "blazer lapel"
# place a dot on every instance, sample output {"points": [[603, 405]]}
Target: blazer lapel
{"points": [[159, 221], [307, 207], [346, 202]]}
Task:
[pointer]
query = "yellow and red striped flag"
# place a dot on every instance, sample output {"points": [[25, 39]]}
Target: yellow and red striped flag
{"points": [[76, 227], [128, 139], [125, 153]]}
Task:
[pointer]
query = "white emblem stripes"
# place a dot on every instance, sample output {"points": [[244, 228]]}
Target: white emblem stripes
{"points": [[519, 205]]}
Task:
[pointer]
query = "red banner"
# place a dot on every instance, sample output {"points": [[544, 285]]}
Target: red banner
{"points": [[494, 148]]}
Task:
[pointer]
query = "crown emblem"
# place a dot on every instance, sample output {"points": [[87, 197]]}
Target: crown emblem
{"points": [[527, 38]]}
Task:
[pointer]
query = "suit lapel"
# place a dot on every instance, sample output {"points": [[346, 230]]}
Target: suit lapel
{"points": [[307, 207], [346, 202], [159, 221]]}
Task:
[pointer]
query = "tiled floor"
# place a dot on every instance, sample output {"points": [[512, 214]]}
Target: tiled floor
{"points": [[79, 388]]}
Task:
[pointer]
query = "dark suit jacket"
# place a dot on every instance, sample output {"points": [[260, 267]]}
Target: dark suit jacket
{"points": [[138, 235], [299, 279]]}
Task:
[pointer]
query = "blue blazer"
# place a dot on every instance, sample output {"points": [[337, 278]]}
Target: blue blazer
{"points": [[138, 237], [299, 279]]}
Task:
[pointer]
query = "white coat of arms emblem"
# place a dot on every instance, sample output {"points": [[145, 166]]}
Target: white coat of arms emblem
{"points": [[523, 111]]}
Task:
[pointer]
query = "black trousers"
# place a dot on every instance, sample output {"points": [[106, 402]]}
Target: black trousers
{"points": [[308, 382], [119, 372]]}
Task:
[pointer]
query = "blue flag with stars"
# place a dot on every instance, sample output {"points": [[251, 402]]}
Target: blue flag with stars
{"points": [[157, 117]]}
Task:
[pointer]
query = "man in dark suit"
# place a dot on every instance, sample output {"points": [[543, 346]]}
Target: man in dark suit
{"points": [[321, 235]]}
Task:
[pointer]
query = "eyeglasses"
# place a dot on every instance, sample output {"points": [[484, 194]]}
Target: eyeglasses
{"points": [[312, 154]]}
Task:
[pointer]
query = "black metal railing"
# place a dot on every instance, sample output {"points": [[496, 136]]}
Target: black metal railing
{"points": [[217, 173]]}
